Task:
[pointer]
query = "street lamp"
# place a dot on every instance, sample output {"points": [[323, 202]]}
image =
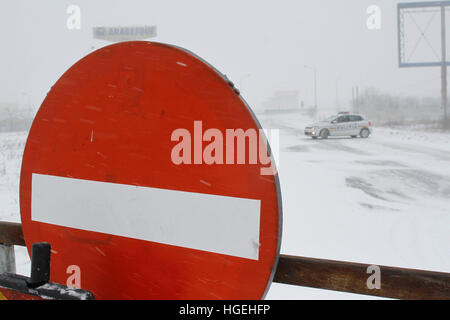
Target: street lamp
{"points": [[28, 107], [242, 80], [315, 84]]}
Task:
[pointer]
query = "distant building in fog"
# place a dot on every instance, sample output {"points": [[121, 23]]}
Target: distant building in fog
{"points": [[282, 101], [14, 118]]}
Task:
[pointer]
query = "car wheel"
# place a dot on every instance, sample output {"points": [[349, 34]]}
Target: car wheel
{"points": [[364, 133], [324, 134]]}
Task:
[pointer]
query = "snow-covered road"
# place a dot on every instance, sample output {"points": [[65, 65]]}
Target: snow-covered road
{"points": [[383, 200]]}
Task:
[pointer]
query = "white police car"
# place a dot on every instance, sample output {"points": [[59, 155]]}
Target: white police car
{"points": [[342, 124]]}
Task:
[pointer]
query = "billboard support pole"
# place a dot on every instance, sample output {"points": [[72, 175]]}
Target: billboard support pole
{"points": [[444, 64]]}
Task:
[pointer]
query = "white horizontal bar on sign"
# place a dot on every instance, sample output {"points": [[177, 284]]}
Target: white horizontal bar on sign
{"points": [[219, 224]]}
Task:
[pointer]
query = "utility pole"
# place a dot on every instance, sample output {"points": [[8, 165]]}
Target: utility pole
{"points": [[241, 81], [444, 64], [315, 88], [355, 99], [315, 84], [337, 94]]}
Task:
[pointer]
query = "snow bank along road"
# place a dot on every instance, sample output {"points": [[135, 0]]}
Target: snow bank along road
{"points": [[382, 200]]}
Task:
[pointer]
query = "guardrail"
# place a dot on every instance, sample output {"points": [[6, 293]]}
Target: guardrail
{"points": [[397, 283], [11, 234]]}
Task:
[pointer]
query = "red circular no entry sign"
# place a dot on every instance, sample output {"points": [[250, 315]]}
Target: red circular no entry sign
{"points": [[129, 174]]}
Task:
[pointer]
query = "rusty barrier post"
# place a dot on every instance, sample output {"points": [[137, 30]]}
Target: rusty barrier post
{"points": [[10, 235], [397, 283]]}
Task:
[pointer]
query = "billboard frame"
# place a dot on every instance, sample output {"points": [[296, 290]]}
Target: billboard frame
{"points": [[400, 32]]}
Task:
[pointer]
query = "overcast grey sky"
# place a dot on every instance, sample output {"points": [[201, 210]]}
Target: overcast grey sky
{"points": [[262, 45]]}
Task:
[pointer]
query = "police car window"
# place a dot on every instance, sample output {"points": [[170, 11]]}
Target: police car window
{"points": [[355, 118], [343, 119]]}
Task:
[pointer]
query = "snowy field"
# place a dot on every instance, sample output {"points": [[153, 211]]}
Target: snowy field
{"points": [[383, 200]]}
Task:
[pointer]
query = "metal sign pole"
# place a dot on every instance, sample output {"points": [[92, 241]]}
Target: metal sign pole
{"points": [[7, 259]]}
